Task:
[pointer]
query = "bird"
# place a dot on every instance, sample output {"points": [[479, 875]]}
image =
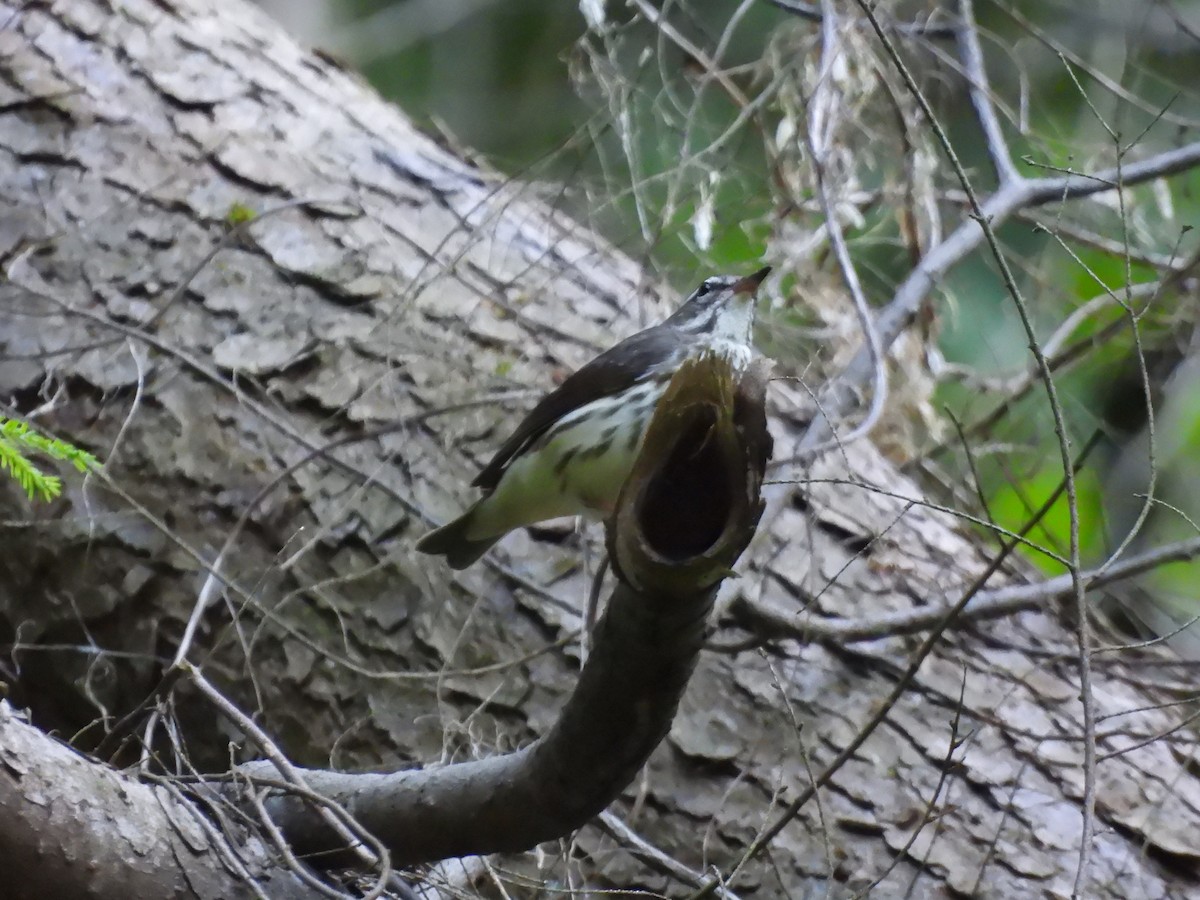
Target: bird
{"points": [[572, 453]]}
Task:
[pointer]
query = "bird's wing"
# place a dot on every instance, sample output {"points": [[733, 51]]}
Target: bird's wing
{"points": [[609, 373]]}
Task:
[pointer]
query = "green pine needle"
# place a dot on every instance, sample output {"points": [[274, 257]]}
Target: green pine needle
{"points": [[17, 440]]}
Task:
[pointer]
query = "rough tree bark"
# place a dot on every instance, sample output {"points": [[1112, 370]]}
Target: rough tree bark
{"points": [[390, 283], [72, 828]]}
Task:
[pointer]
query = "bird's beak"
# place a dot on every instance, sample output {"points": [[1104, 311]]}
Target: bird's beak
{"points": [[750, 283]]}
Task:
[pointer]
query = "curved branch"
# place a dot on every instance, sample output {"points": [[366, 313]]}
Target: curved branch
{"points": [[687, 511]]}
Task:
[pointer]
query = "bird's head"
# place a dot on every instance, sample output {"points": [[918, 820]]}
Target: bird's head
{"points": [[722, 307]]}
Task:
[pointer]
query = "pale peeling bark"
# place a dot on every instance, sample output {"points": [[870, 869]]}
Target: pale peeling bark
{"points": [[410, 282]]}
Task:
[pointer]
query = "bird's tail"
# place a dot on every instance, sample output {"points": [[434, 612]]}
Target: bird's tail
{"points": [[451, 541]]}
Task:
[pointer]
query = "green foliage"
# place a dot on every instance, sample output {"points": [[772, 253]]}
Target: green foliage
{"points": [[239, 214], [17, 440], [1014, 503]]}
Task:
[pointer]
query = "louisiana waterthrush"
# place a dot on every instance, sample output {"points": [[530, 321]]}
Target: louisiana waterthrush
{"points": [[572, 453]]}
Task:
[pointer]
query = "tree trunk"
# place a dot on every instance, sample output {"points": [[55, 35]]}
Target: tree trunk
{"points": [[235, 381]]}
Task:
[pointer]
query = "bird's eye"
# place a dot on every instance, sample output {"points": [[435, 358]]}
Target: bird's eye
{"points": [[706, 287]]}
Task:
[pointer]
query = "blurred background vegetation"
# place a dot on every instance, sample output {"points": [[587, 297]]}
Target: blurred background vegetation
{"points": [[616, 113]]}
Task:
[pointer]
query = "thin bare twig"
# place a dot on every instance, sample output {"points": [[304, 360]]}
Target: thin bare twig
{"points": [[948, 765], [986, 605], [1083, 625], [894, 318], [822, 118], [814, 12], [652, 856], [903, 682], [980, 93], [361, 842]]}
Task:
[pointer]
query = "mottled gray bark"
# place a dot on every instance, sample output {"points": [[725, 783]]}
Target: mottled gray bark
{"points": [[71, 827], [399, 286]]}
